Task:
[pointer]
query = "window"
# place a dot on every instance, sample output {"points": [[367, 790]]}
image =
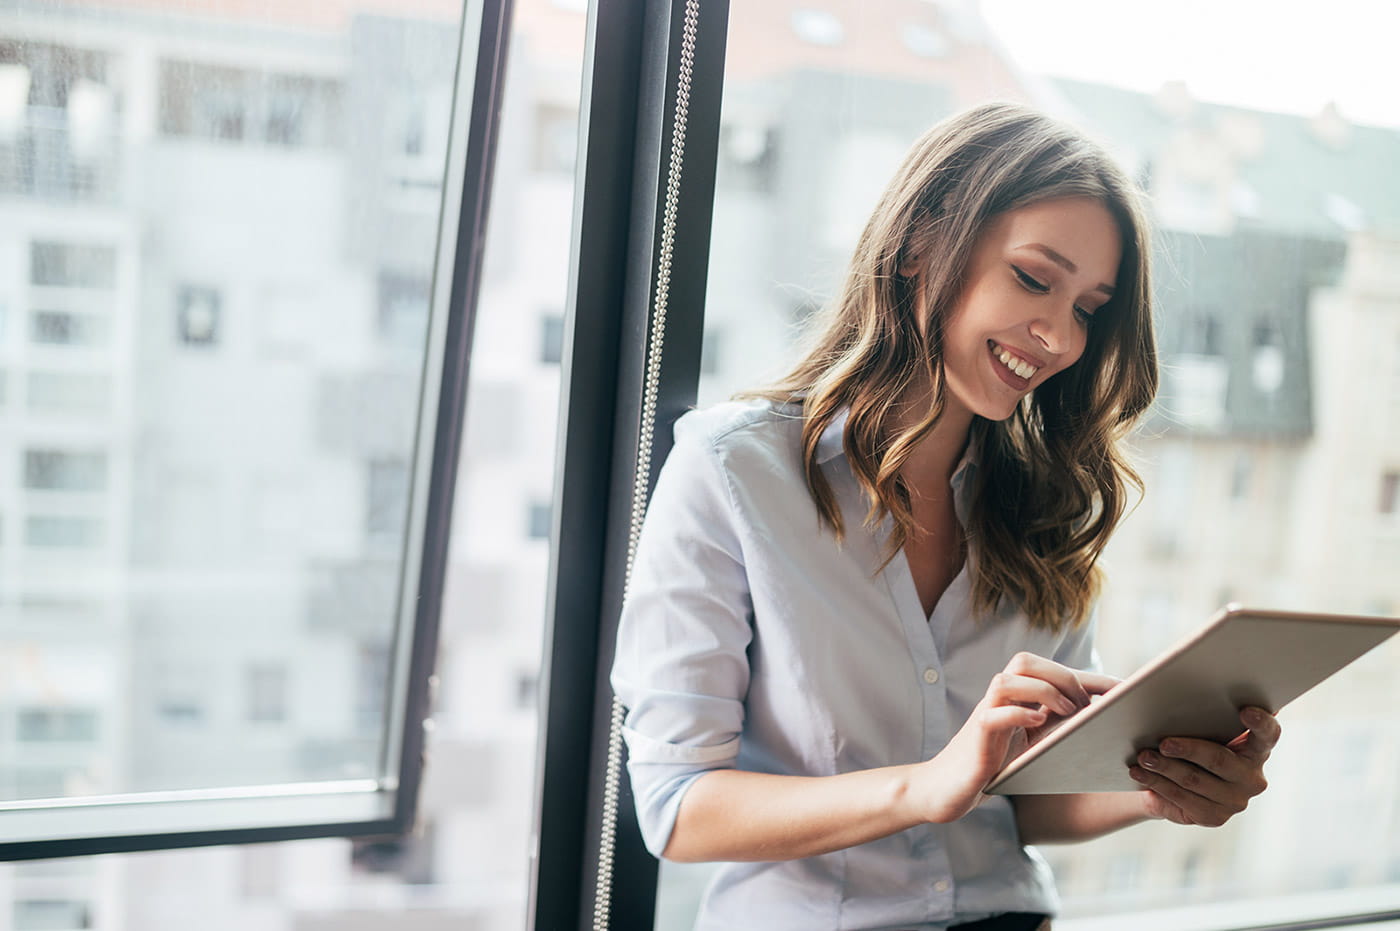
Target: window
{"points": [[1268, 361], [197, 315], [56, 725], [198, 505], [51, 915], [65, 328], [538, 520], [551, 339], [226, 104], [385, 506], [403, 309], [72, 265], [56, 470], [817, 27], [54, 532], [69, 393], [1390, 493]]}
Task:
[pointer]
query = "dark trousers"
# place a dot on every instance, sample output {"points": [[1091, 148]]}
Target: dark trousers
{"points": [[1011, 921]]}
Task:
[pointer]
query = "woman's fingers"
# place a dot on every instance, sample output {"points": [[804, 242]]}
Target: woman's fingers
{"points": [[1096, 683], [1075, 686], [1006, 717], [1009, 688], [1263, 735], [1190, 806]]}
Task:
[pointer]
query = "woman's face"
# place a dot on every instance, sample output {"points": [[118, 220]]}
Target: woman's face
{"points": [[1036, 277]]}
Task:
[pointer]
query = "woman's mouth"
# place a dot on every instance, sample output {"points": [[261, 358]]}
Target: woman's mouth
{"points": [[1011, 363]]}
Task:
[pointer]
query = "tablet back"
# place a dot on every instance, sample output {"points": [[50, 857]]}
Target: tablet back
{"points": [[1242, 657]]}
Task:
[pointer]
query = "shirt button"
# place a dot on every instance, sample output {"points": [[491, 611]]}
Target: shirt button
{"points": [[931, 675], [942, 885]]}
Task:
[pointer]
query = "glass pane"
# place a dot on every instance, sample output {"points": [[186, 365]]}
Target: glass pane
{"points": [[338, 345], [210, 435], [1271, 458]]}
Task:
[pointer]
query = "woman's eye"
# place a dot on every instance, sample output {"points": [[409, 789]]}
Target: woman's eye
{"points": [[1085, 317], [1030, 283]]}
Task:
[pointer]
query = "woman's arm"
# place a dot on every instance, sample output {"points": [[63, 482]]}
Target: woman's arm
{"points": [[728, 814], [1060, 819]]}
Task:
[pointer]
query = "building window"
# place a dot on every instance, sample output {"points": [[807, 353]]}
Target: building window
{"points": [[56, 725], [62, 328], [538, 520], [387, 503], [1268, 367], [63, 532], [197, 320], [69, 393], [552, 339], [267, 693], [526, 690], [818, 27], [51, 915], [237, 105], [1390, 493], [55, 470], [403, 302], [66, 265], [180, 695]]}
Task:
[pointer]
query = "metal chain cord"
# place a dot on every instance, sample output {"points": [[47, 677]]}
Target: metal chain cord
{"points": [[602, 894]]}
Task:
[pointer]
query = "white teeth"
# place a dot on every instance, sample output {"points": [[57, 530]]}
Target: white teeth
{"points": [[1019, 366]]}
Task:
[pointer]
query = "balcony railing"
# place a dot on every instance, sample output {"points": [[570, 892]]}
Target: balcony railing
{"points": [[44, 157]]}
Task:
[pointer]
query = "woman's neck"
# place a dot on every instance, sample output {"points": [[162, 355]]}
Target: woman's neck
{"points": [[930, 466]]}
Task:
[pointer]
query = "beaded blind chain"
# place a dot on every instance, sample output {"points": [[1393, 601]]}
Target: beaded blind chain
{"points": [[602, 895]]}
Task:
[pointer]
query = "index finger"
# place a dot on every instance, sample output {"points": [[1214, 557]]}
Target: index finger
{"points": [[1075, 685]]}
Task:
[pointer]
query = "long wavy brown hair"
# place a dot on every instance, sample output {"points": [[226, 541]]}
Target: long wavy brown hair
{"points": [[1052, 481]]}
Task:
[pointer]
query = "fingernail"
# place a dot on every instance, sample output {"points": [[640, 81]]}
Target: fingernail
{"points": [[1137, 774], [1170, 746], [1150, 759], [1253, 715]]}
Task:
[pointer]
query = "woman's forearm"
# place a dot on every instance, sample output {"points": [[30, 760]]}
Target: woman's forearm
{"points": [[1058, 819], [729, 814]]}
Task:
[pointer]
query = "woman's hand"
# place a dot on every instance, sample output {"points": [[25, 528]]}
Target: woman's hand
{"points": [[1028, 697], [1203, 782]]}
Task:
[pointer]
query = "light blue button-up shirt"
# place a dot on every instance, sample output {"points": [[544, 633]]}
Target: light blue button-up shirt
{"points": [[751, 639]]}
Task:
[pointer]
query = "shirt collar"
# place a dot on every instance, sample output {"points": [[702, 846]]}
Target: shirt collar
{"points": [[833, 443], [833, 439]]}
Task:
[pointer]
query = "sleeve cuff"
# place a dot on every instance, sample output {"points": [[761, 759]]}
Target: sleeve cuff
{"points": [[644, 749]]}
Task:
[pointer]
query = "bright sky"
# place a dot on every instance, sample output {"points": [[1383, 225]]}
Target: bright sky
{"points": [[1286, 55]]}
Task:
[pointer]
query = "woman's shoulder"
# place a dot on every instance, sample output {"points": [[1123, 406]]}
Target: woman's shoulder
{"points": [[743, 429]]}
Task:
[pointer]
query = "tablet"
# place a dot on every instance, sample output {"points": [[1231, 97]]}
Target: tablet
{"points": [[1195, 689]]}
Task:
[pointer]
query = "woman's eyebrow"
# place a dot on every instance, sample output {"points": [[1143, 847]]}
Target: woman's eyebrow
{"points": [[1064, 263]]}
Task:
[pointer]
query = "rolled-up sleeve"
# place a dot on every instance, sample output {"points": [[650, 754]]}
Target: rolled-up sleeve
{"points": [[681, 667]]}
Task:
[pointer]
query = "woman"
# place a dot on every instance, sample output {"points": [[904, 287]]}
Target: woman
{"points": [[859, 592]]}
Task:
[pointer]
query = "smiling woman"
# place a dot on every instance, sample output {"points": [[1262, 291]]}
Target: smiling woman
{"points": [[902, 494]]}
